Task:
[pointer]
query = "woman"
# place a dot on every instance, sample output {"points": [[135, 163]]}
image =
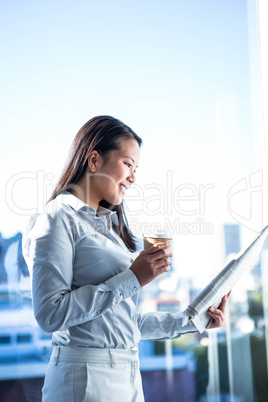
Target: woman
{"points": [[86, 272]]}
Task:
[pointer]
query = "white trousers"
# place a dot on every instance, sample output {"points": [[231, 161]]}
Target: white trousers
{"points": [[93, 375]]}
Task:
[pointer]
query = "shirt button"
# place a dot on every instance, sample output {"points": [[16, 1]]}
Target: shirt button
{"points": [[131, 260], [121, 296], [99, 312], [135, 288]]}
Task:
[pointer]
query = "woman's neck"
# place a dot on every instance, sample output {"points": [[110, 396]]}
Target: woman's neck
{"points": [[85, 192]]}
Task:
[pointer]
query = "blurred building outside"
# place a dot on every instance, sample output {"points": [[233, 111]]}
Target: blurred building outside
{"points": [[181, 369]]}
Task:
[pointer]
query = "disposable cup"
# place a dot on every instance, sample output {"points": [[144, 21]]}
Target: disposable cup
{"points": [[156, 238]]}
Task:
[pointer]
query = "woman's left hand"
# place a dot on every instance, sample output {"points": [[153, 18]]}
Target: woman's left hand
{"points": [[218, 313]]}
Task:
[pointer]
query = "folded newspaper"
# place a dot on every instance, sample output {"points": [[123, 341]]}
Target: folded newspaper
{"points": [[212, 294]]}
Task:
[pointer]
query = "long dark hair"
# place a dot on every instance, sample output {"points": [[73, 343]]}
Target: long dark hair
{"points": [[103, 134]]}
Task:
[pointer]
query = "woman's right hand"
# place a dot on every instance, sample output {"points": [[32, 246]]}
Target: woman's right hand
{"points": [[152, 263]]}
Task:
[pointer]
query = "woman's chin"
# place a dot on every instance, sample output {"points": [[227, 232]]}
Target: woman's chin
{"points": [[114, 201]]}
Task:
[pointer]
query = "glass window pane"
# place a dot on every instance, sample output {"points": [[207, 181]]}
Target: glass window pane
{"points": [[191, 79]]}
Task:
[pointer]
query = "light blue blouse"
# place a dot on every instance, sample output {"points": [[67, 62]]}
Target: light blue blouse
{"points": [[81, 281]]}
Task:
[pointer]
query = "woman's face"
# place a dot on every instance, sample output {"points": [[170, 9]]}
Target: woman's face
{"points": [[113, 176]]}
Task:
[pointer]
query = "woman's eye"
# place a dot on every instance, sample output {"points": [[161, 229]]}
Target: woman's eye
{"points": [[128, 164]]}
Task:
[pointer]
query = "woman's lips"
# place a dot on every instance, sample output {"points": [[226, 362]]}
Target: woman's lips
{"points": [[122, 188]]}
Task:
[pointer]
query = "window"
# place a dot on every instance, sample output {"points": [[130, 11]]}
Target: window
{"points": [[190, 82]]}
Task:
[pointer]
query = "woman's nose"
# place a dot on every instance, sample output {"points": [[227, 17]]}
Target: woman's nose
{"points": [[132, 177]]}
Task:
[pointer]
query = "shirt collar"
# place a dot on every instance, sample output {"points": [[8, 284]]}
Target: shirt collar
{"points": [[69, 199], [108, 214]]}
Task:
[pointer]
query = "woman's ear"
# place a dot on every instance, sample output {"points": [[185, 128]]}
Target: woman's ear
{"points": [[93, 160]]}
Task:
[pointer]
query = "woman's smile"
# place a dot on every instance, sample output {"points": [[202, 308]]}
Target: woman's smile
{"points": [[123, 188]]}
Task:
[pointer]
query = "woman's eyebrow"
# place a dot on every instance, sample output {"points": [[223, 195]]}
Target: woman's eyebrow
{"points": [[129, 158]]}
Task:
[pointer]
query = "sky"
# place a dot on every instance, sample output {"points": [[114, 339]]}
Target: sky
{"points": [[178, 72]]}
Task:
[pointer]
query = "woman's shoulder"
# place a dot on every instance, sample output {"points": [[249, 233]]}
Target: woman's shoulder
{"points": [[47, 228], [53, 216]]}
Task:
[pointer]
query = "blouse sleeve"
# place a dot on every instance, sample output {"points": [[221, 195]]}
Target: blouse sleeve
{"points": [[49, 251], [161, 325]]}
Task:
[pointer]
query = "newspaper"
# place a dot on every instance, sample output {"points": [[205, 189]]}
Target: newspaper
{"points": [[213, 293]]}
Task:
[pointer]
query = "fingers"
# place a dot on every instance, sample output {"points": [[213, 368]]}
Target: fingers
{"points": [[217, 315], [156, 247], [152, 263], [158, 251], [161, 270], [223, 303], [163, 265], [159, 255]]}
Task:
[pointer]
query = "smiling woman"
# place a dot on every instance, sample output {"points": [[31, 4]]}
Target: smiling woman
{"points": [[89, 164], [86, 273]]}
